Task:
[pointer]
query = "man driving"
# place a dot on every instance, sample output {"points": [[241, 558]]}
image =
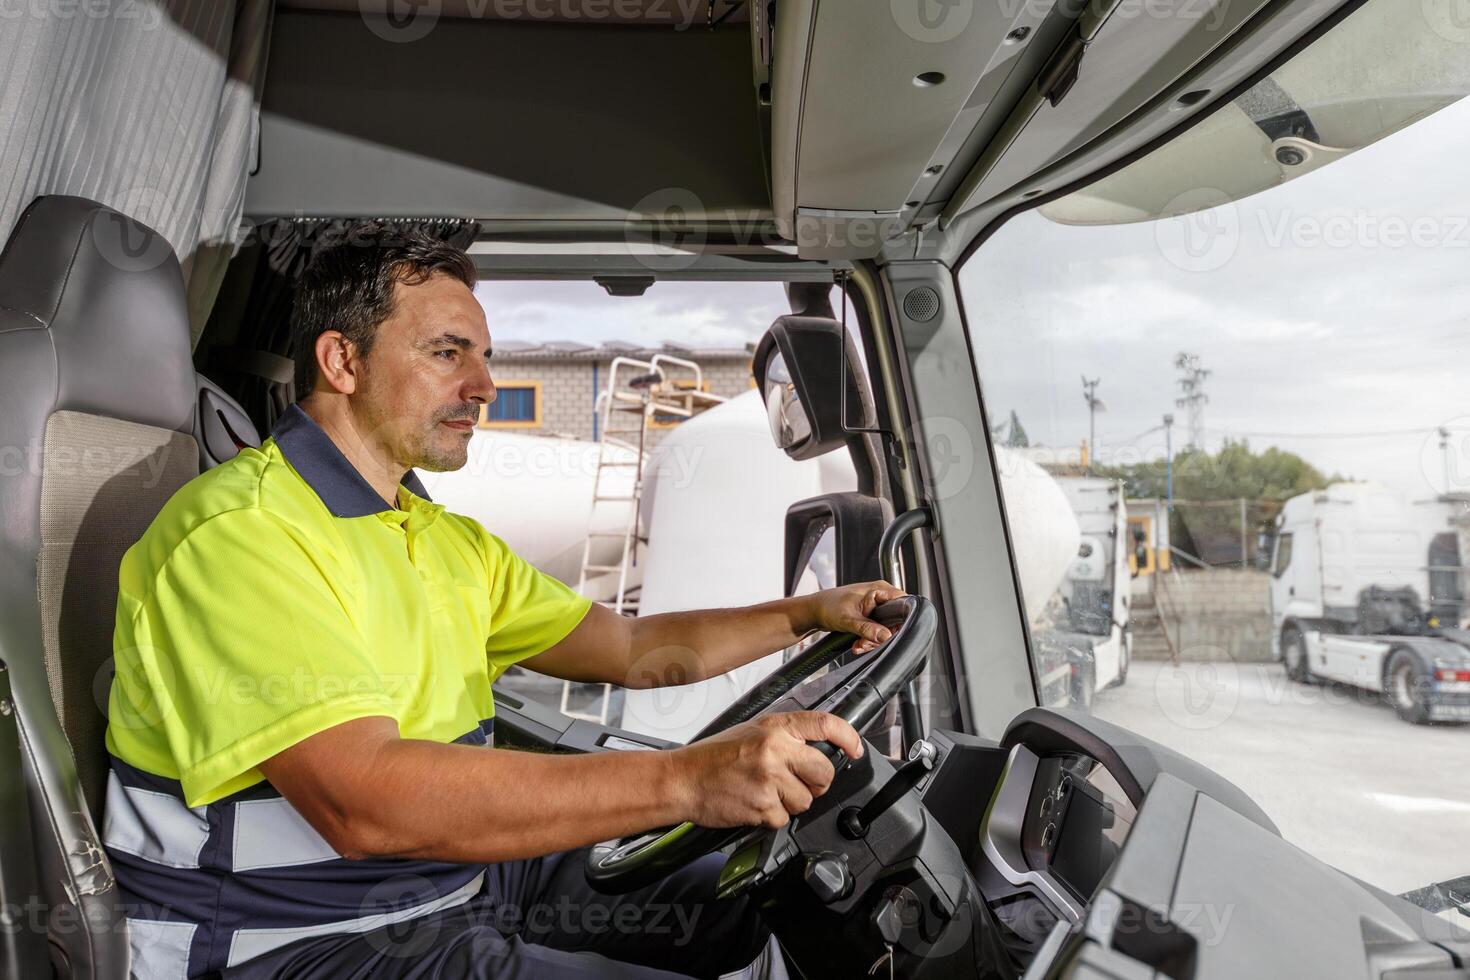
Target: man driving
{"points": [[302, 783]]}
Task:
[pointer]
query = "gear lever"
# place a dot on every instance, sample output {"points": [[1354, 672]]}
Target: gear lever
{"points": [[854, 822]]}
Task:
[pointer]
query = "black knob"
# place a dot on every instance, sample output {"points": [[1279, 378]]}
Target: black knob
{"points": [[828, 877]]}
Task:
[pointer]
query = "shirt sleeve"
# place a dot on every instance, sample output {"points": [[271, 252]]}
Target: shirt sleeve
{"points": [[240, 645], [530, 611]]}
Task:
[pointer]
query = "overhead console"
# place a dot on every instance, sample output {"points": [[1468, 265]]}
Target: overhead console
{"points": [[870, 101]]}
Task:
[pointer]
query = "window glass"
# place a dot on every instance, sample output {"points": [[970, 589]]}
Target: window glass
{"points": [[1283, 554], [515, 402], [1267, 316], [584, 438]]}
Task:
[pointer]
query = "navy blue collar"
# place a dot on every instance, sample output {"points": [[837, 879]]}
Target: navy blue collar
{"points": [[313, 454]]}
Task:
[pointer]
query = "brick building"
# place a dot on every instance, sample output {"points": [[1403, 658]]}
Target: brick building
{"points": [[551, 388]]}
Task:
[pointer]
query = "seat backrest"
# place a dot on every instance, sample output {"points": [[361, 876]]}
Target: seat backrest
{"points": [[221, 428], [97, 409]]}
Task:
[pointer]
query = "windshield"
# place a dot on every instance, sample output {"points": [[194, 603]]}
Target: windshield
{"points": [[1240, 371]]}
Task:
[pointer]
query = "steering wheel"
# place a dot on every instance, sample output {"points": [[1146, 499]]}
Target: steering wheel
{"points": [[622, 866]]}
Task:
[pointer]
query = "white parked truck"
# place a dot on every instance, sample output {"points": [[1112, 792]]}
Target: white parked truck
{"points": [[1366, 590], [1087, 620]]}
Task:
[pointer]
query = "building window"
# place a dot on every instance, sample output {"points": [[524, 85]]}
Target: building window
{"points": [[517, 405]]}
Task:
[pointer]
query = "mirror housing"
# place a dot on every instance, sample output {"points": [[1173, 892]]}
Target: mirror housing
{"points": [[856, 522], [800, 365]]}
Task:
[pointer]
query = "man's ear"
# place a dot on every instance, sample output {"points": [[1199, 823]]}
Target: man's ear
{"points": [[337, 362]]}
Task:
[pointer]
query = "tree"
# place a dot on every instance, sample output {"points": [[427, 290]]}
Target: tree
{"points": [[1206, 486]]}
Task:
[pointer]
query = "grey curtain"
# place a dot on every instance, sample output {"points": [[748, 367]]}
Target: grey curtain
{"points": [[148, 107]]}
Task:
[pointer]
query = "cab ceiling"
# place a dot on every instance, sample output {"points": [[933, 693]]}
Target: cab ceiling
{"points": [[566, 118], [509, 119]]}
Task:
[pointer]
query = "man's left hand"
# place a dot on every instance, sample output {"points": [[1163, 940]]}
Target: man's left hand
{"points": [[846, 610]]}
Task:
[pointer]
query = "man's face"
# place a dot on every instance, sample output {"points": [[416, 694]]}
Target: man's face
{"points": [[427, 374]]}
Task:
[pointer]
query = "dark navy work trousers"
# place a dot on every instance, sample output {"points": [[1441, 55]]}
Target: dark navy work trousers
{"points": [[539, 919]]}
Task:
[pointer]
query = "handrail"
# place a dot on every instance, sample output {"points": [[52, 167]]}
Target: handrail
{"points": [[1187, 557], [1159, 609], [911, 722]]}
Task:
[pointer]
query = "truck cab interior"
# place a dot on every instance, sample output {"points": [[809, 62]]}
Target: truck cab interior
{"points": [[859, 154]]}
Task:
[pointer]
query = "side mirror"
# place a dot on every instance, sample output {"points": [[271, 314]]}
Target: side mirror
{"points": [[833, 539], [1265, 547], [801, 365]]}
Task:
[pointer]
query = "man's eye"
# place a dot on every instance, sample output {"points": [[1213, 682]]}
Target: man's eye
{"points": [[447, 353]]}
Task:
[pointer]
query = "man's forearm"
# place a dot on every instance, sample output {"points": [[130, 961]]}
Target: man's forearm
{"points": [[470, 804], [684, 647]]}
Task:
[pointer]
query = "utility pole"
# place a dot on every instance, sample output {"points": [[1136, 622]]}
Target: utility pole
{"points": [[1192, 396], [1094, 405], [1169, 458]]}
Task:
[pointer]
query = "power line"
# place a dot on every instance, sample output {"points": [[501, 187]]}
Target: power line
{"points": [[1383, 433]]}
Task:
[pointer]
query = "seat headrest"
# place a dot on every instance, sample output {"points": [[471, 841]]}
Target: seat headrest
{"points": [[110, 293]]}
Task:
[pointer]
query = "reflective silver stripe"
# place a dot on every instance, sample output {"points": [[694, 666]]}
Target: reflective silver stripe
{"points": [[160, 949], [250, 943], [273, 834], [154, 826]]}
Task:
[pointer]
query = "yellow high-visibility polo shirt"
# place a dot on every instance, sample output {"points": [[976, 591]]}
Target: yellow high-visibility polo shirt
{"points": [[277, 595]]}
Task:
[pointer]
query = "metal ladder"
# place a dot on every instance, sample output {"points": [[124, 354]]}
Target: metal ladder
{"points": [[639, 389]]}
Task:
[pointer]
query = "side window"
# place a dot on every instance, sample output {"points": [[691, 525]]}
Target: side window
{"points": [[1283, 554], [584, 466]]}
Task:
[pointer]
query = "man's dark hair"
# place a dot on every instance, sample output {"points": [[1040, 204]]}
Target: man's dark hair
{"points": [[348, 287]]}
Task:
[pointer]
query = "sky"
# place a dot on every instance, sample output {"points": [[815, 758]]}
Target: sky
{"points": [[703, 314], [1328, 330]]}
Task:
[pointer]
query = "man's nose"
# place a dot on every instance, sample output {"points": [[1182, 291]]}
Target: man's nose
{"points": [[479, 388]]}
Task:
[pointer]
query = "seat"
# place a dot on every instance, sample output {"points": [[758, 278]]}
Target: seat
{"points": [[98, 409], [221, 426]]}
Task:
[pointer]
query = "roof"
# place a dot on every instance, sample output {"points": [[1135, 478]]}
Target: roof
{"points": [[571, 350]]}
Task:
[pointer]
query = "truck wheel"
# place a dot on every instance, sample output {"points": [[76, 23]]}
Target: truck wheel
{"points": [[1406, 681], [1294, 656]]}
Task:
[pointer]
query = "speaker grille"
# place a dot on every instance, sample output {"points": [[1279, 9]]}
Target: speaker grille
{"points": [[921, 304]]}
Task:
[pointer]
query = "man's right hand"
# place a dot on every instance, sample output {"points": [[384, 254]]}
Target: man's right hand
{"points": [[762, 772]]}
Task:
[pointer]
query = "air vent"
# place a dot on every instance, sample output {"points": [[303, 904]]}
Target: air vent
{"points": [[921, 304]]}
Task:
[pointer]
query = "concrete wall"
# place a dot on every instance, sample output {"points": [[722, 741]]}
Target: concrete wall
{"points": [[1217, 614], [568, 396]]}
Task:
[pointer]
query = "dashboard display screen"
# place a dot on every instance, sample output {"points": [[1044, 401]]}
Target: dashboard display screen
{"points": [[1079, 818]]}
